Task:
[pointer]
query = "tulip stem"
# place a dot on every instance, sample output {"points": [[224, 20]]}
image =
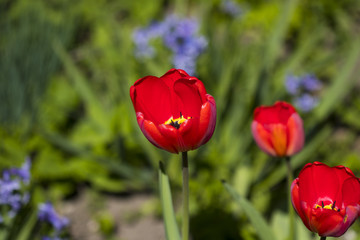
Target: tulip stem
{"points": [[322, 238], [185, 172], [290, 178]]}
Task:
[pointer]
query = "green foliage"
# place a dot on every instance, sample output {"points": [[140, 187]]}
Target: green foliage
{"points": [[65, 72]]}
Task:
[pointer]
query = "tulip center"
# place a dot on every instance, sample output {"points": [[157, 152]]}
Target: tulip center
{"points": [[176, 122], [329, 206]]}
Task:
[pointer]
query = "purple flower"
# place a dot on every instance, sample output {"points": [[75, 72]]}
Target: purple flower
{"points": [[9, 189], [230, 7], [292, 84], [306, 102], [50, 238], [48, 214], [178, 34], [23, 172], [311, 83], [185, 62]]}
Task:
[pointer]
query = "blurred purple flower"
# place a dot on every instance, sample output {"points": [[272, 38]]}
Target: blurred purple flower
{"points": [[306, 102], [292, 84], [178, 34], [231, 7], [186, 62], [311, 83], [11, 188], [48, 214], [51, 238], [23, 172]]}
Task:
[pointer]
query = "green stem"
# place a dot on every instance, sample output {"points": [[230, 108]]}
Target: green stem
{"points": [[185, 172], [292, 234], [180, 7], [322, 238]]}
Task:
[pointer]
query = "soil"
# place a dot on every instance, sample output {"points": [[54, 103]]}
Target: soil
{"points": [[83, 209]]}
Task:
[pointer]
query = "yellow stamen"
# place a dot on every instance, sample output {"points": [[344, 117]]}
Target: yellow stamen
{"points": [[329, 206], [176, 122]]}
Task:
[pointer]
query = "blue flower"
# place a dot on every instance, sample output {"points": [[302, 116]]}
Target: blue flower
{"points": [[306, 102], [177, 34], [311, 83], [230, 7], [48, 214], [292, 84], [23, 172], [12, 188]]}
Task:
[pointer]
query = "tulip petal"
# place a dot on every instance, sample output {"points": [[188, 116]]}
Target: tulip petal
{"points": [[188, 98], [152, 133], [318, 185], [171, 76], [325, 222], [203, 127], [295, 200], [262, 138], [278, 113], [151, 97], [278, 138], [351, 191], [295, 134], [207, 120]]}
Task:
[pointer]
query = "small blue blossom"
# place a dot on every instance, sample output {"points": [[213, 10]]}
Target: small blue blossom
{"points": [[230, 7], [185, 62], [177, 34], [48, 214], [51, 238], [306, 102], [23, 172], [292, 84], [311, 83], [11, 183], [303, 89]]}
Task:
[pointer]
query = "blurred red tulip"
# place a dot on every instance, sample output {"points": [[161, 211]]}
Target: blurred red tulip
{"points": [[174, 112], [278, 129], [327, 199]]}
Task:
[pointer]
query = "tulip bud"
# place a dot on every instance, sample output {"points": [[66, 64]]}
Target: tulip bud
{"points": [[278, 129], [174, 112]]}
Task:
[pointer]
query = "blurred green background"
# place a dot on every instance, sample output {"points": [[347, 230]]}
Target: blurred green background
{"points": [[65, 72]]}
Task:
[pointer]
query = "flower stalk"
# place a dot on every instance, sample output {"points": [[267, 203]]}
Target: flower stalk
{"points": [[185, 173], [322, 238], [290, 178]]}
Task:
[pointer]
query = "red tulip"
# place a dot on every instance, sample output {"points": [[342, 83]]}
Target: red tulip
{"points": [[174, 112], [278, 129], [327, 199]]}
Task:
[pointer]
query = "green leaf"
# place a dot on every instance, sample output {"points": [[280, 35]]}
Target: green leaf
{"points": [[171, 228], [258, 222]]}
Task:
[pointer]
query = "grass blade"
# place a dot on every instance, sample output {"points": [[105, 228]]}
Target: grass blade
{"points": [[171, 228], [258, 222]]}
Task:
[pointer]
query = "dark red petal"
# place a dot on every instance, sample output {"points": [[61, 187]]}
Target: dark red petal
{"points": [[317, 183], [152, 97], [201, 88], [152, 133], [195, 136], [173, 75], [212, 121], [351, 214], [188, 98], [326, 222], [351, 191], [278, 113], [172, 136], [295, 200]]}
